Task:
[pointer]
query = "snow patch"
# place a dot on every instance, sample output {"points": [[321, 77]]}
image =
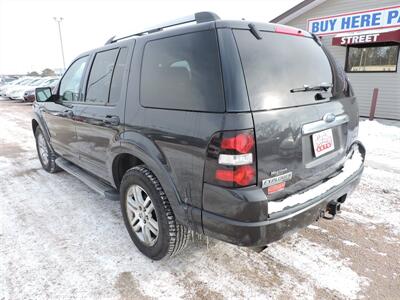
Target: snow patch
{"points": [[369, 204], [322, 265], [313, 227], [350, 243]]}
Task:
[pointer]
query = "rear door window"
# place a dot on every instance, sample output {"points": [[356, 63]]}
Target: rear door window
{"points": [[278, 63], [99, 82], [183, 73]]}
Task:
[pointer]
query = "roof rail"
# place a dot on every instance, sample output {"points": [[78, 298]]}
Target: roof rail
{"points": [[199, 17]]}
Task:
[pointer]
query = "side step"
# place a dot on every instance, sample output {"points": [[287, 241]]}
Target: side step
{"points": [[88, 179]]}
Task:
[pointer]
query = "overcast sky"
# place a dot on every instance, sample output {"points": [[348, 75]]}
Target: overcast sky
{"points": [[29, 39]]}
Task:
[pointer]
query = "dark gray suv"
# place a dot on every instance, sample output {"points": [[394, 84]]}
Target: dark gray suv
{"points": [[241, 131]]}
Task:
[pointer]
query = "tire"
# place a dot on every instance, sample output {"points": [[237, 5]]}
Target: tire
{"points": [[46, 155], [139, 184]]}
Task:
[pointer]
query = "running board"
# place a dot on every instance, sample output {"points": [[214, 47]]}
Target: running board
{"points": [[88, 179]]}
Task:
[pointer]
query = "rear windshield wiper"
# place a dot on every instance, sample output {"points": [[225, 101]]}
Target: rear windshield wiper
{"points": [[306, 88]]}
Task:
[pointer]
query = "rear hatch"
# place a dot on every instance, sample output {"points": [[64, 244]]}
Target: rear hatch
{"points": [[300, 120]]}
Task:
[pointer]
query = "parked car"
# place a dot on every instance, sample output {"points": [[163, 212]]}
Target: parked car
{"points": [[241, 131], [17, 86], [13, 84], [7, 79], [17, 93], [29, 93]]}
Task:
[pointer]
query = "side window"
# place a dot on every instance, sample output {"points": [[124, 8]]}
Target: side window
{"points": [[183, 73], [70, 83], [99, 81], [116, 82]]}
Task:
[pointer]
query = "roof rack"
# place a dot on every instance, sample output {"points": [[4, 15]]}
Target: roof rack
{"points": [[199, 17]]}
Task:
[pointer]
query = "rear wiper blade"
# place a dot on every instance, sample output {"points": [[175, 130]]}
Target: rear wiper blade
{"points": [[306, 88]]}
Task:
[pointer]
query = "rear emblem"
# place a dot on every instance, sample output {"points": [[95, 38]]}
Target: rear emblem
{"points": [[277, 179], [329, 118]]}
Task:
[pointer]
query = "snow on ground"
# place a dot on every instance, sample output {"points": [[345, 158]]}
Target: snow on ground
{"points": [[382, 143], [382, 176], [321, 264], [58, 239]]}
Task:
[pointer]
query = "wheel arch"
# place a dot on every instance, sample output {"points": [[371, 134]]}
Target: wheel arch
{"points": [[130, 154], [35, 124]]}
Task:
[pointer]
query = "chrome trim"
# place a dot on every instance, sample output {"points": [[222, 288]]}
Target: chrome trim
{"points": [[329, 117], [322, 125]]}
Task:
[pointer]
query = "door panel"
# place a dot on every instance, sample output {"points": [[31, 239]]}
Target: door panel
{"points": [[99, 120], [95, 136], [59, 121], [59, 112]]}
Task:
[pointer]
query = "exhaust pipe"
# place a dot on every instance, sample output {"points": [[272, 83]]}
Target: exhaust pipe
{"points": [[332, 209]]}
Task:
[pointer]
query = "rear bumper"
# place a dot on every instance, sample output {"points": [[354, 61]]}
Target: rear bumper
{"points": [[278, 224]]}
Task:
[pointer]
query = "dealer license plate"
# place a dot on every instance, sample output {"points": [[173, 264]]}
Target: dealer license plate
{"points": [[323, 142]]}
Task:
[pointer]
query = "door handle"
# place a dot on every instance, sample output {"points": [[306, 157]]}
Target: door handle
{"points": [[69, 113], [66, 113], [111, 120]]}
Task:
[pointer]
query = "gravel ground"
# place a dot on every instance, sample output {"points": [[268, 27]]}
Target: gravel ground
{"points": [[58, 239]]}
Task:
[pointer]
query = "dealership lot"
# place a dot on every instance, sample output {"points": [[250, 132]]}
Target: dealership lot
{"points": [[60, 239]]}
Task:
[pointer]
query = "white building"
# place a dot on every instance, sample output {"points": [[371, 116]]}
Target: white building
{"points": [[364, 37]]}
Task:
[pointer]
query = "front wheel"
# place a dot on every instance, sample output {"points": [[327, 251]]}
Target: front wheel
{"points": [[148, 215], [46, 155]]}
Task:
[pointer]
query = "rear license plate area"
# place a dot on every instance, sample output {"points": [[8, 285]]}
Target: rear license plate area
{"points": [[323, 142]]}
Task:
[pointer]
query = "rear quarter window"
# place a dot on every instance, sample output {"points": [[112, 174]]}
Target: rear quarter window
{"points": [[182, 73]]}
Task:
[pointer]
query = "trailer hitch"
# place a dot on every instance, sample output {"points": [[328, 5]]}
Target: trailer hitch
{"points": [[332, 209]]}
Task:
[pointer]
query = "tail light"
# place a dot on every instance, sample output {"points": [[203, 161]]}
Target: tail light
{"points": [[231, 159]]}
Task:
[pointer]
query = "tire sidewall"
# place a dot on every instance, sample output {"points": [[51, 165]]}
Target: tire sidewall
{"points": [[161, 247], [48, 165]]}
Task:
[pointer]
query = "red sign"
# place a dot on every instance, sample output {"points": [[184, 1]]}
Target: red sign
{"points": [[276, 188], [381, 37]]}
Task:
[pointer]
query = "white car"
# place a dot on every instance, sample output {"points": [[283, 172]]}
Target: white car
{"points": [[17, 92], [29, 95], [13, 84]]}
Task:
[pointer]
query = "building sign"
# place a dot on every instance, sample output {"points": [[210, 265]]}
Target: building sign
{"points": [[386, 17], [378, 37]]}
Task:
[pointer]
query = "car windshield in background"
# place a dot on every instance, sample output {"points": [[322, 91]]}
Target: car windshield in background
{"points": [[280, 63], [37, 82], [51, 81], [25, 82]]}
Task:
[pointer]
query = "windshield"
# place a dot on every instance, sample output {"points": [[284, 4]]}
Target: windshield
{"points": [[24, 82], [36, 82], [40, 82], [279, 63], [18, 81], [48, 82]]}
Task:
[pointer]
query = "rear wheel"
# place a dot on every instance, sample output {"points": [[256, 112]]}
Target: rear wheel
{"points": [[46, 155], [148, 215]]}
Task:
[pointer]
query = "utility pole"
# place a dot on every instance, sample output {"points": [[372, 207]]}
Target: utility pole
{"points": [[59, 20]]}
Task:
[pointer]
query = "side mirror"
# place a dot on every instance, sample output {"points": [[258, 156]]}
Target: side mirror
{"points": [[43, 94]]}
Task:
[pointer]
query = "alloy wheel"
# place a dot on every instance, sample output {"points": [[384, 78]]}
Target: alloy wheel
{"points": [[142, 215]]}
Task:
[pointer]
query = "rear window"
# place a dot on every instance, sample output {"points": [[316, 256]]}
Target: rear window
{"points": [[278, 63], [182, 72]]}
